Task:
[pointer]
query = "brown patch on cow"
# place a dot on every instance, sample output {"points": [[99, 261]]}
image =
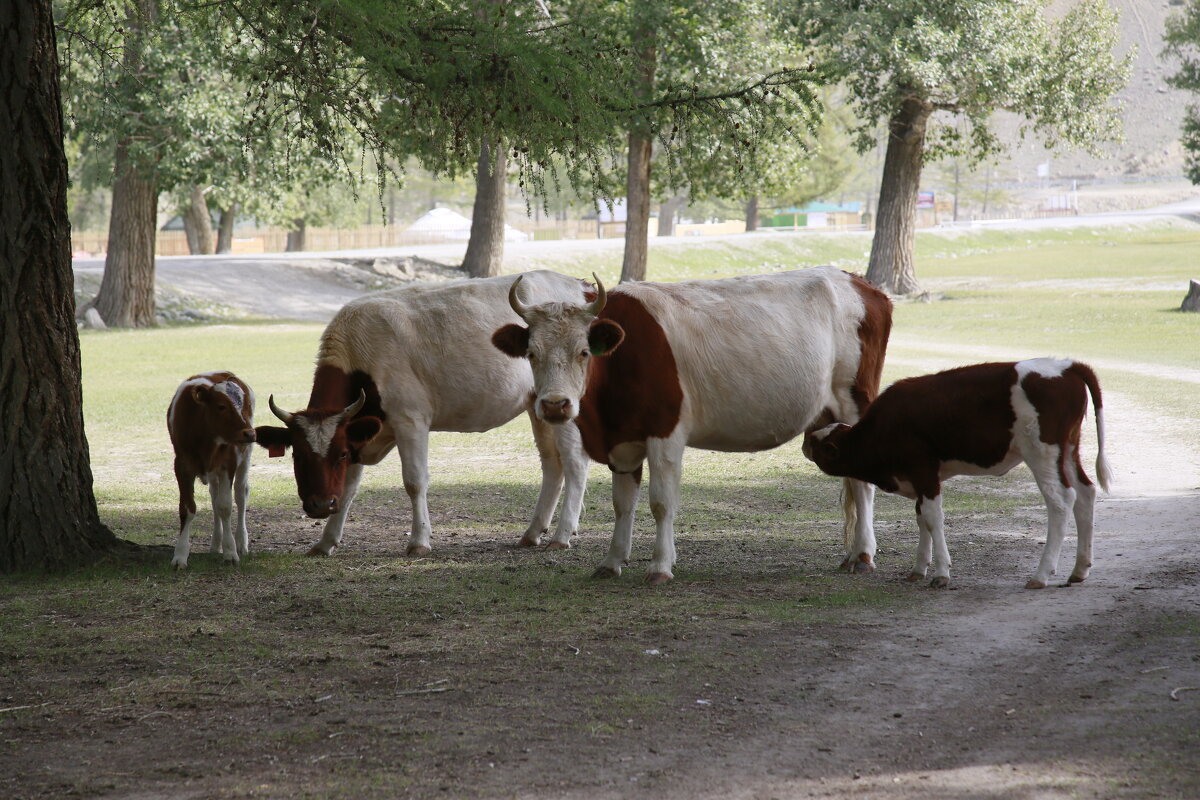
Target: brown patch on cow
{"points": [[635, 392], [962, 414], [873, 333], [334, 389], [1061, 404]]}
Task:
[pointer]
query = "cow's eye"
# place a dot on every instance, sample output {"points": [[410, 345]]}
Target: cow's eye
{"points": [[532, 358], [584, 354], [345, 454]]}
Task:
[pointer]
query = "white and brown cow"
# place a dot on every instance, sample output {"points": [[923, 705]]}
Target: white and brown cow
{"points": [[393, 366], [739, 364], [211, 424], [978, 420]]}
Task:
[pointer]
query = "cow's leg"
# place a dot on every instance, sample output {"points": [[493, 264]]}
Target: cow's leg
{"points": [[220, 488], [924, 547], [331, 535], [241, 494], [187, 513], [626, 486], [1059, 500], [552, 481], [1085, 521], [665, 457], [930, 515], [575, 464], [858, 510], [413, 445]]}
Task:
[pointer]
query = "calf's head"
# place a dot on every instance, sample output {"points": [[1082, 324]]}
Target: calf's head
{"points": [[559, 342], [324, 444], [823, 448], [221, 408]]}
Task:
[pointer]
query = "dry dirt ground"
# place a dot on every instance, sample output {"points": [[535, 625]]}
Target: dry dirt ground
{"points": [[982, 691]]}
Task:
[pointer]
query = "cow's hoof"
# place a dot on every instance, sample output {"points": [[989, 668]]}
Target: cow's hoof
{"points": [[939, 582], [416, 551], [1075, 579], [232, 562], [1035, 584], [317, 551], [915, 577], [655, 578], [178, 565], [553, 545], [529, 541], [606, 572]]}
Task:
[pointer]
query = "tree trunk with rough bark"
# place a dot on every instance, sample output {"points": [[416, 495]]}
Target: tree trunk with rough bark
{"points": [[637, 209], [891, 267], [667, 211], [48, 515], [197, 224], [752, 214], [225, 229], [126, 296], [637, 182], [295, 237], [485, 247]]}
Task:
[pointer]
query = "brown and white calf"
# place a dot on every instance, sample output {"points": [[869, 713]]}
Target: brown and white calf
{"points": [[739, 364], [211, 424], [393, 366], [978, 420]]}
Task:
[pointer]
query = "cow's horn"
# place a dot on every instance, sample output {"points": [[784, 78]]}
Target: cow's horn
{"points": [[356, 406], [277, 411], [601, 298], [513, 301]]}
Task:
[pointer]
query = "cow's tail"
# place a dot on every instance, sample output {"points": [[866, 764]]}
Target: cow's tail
{"points": [[849, 514], [1103, 473]]}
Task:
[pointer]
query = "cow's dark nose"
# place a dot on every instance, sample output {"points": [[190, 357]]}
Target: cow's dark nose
{"points": [[320, 508], [248, 435], [555, 410]]}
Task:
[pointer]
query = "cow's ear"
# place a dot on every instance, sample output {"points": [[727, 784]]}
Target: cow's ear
{"points": [[362, 430], [604, 336], [201, 392], [512, 340], [276, 440]]}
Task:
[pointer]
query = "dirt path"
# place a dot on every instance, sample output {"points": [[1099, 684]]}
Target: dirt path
{"points": [[991, 691]]}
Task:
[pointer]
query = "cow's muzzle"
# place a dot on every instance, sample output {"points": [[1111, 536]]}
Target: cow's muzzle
{"points": [[320, 507], [248, 436], [556, 410]]}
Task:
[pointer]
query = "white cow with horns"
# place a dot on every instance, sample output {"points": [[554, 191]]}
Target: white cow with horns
{"points": [[395, 365], [739, 364]]}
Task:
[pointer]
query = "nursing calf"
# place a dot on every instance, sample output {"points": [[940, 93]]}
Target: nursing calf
{"points": [[210, 421], [977, 420]]}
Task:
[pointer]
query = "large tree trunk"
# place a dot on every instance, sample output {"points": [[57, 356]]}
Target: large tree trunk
{"points": [[197, 223], [637, 183], [485, 247], [667, 211], [295, 237], [891, 266], [126, 297], [48, 514], [225, 228], [752, 214]]}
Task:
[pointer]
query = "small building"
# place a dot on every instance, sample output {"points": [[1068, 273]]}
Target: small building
{"points": [[814, 215]]}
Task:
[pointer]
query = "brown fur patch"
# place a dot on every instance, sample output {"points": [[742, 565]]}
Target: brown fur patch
{"points": [[634, 393], [873, 333]]}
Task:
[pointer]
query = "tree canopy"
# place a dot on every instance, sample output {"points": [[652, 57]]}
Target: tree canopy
{"points": [[937, 73], [1183, 42]]}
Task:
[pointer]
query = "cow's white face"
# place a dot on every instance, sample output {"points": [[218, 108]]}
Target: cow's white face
{"points": [[560, 342]]}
